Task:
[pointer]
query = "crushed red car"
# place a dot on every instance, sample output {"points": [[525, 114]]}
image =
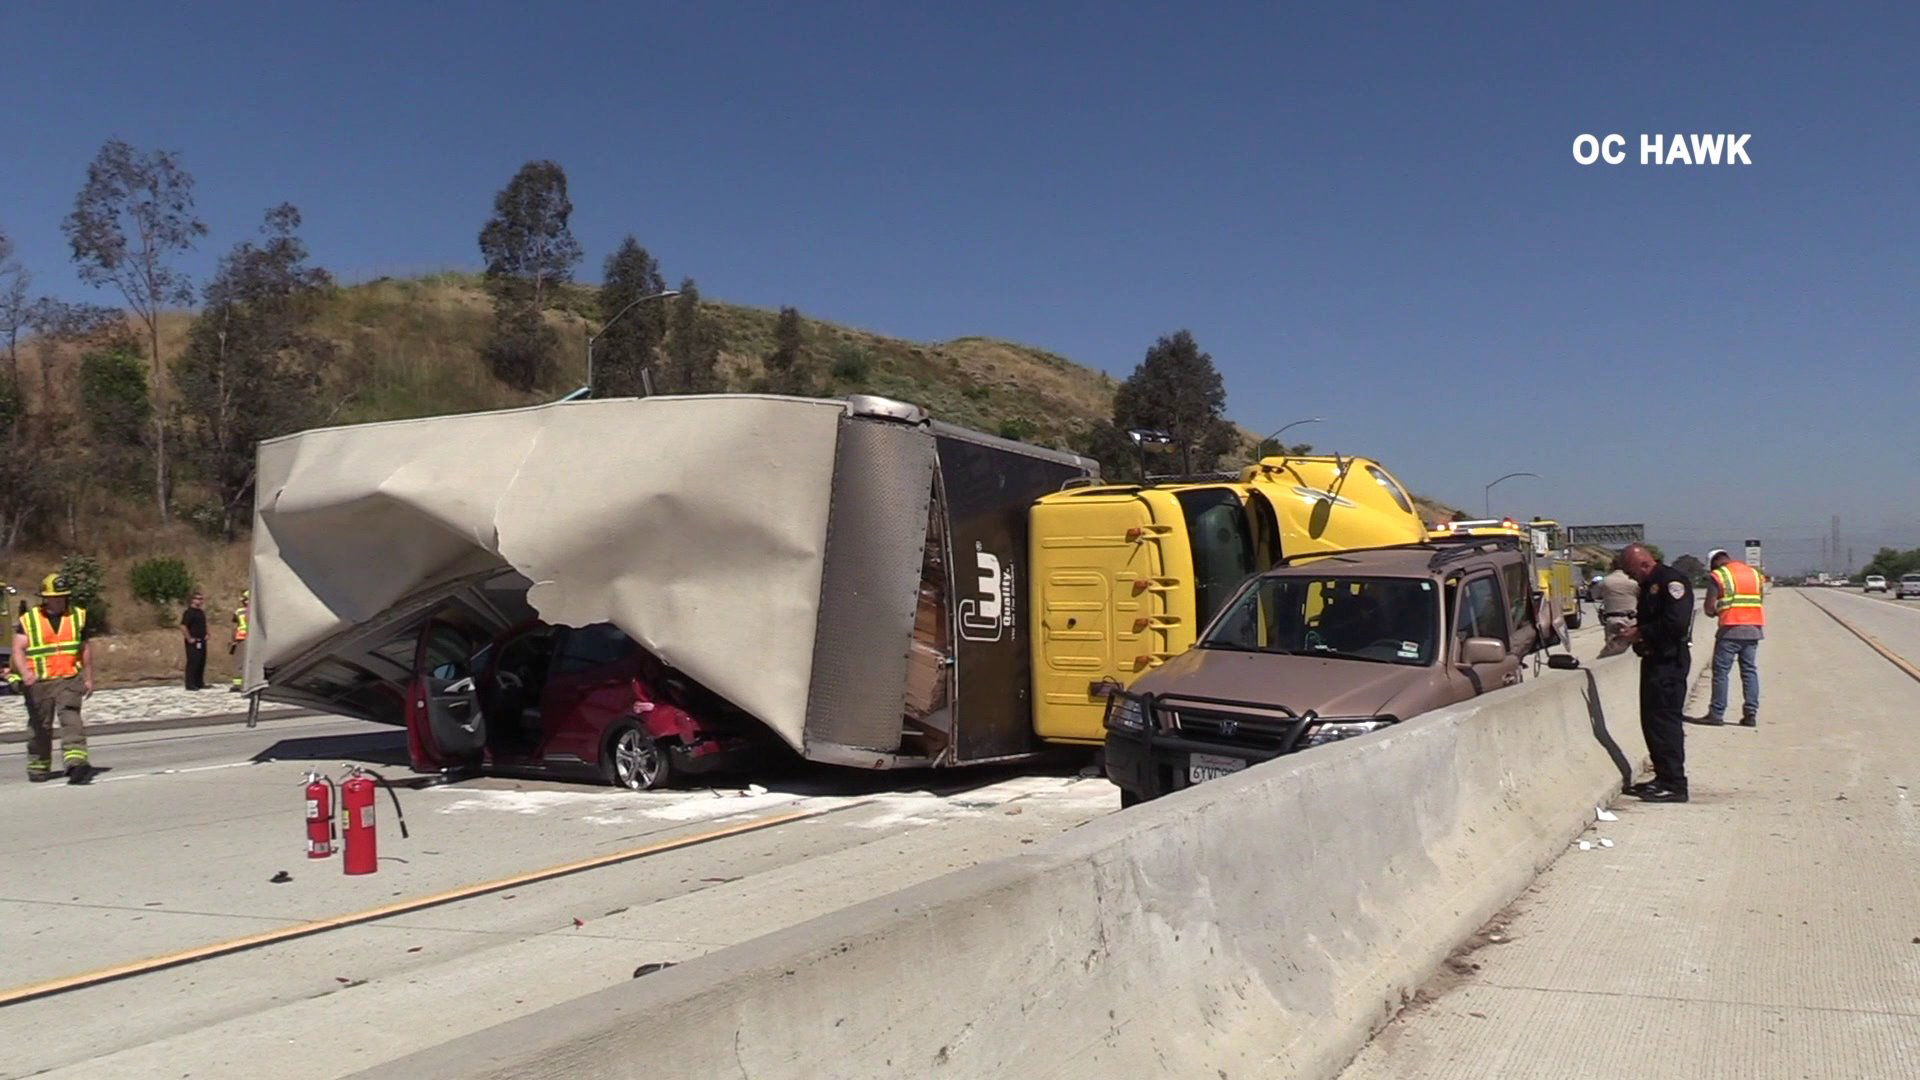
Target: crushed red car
{"points": [[560, 699]]}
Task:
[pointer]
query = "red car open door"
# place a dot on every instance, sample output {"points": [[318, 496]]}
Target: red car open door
{"points": [[445, 728]]}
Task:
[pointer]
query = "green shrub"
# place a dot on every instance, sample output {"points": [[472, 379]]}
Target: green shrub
{"points": [[852, 364], [87, 580], [1017, 429], [162, 580]]}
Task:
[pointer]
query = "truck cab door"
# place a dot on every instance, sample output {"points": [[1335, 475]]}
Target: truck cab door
{"points": [[445, 727]]}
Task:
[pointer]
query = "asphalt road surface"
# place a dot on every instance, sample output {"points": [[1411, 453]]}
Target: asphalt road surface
{"points": [[1893, 623], [175, 848]]}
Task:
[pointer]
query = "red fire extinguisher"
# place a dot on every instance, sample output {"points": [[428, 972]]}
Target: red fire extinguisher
{"points": [[360, 851], [319, 816]]}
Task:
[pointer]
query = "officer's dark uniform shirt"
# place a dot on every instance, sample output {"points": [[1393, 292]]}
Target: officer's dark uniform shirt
{"points": [[1666, 611]]}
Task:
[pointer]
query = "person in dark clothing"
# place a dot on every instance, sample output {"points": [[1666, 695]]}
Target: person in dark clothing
{"points": [[1663, 638], [193, 631]]}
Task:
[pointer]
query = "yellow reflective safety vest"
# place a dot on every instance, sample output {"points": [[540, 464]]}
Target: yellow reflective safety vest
{"points": [[54, 651], [1740, 595]]}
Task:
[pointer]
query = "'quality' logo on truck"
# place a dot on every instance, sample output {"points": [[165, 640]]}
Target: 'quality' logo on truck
{"points": [[988, 614]]}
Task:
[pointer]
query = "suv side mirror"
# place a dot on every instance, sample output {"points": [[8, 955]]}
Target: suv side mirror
{"points": [[1482, 650]]}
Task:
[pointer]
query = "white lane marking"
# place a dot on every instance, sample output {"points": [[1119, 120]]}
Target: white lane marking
{"points": [[892, 809], [174, 772]]}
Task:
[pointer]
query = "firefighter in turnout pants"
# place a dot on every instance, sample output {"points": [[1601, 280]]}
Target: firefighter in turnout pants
{"points": [[53, 653]]}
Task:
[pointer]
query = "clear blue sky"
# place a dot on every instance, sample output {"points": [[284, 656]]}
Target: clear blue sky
{"points": [[1368, 213]]}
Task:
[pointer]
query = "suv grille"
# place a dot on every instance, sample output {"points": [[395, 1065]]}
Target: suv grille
{"points": [[1234, 729]]}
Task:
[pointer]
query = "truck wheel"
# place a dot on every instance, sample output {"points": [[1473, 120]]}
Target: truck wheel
{"points": [[1129, 798], [636, 760], [1573, 621]]}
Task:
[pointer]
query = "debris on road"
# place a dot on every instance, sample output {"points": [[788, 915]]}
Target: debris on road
{"points": [[280, 878], [1601, 813], [648, 969]]}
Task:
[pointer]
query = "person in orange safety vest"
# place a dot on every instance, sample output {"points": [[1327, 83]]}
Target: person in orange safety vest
{"points": [[1736, 595], [53, 652]]}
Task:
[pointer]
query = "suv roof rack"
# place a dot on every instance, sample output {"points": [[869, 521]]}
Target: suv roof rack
{"points": [[1456, 549], [1288, 560], [1445, 549]]}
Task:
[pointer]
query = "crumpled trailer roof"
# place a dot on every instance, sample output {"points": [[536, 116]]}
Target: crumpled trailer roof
{"points": [[770, 548]]}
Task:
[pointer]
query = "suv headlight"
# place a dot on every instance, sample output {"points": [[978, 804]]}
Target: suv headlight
{"points": [[1126, 713], [1334, 730]]}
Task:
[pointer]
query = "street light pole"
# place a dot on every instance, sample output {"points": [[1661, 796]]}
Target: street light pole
{"points": [[608, 325], [1276, 435], [1488, 493]]}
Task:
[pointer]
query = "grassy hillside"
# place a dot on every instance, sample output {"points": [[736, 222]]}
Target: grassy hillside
{"points": [[412, 349]]}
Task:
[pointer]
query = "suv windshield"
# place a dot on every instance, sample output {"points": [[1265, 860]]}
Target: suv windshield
{"points": [[1385, 620], [1222, 546]]}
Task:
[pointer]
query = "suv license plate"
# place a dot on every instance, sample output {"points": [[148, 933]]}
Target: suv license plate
{"points": [[1204, 767]]}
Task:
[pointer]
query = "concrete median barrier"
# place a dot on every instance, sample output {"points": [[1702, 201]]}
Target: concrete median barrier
{"points": [[1261, 925]]}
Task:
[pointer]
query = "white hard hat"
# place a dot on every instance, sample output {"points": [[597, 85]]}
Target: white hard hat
{"points": [[1716, 553]]}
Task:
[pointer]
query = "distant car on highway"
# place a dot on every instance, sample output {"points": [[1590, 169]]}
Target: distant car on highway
{"points": [[1875, 583], [1324, 649], [1909, 586]]}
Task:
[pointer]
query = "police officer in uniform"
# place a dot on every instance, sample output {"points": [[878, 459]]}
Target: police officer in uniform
{"points": [[1618, 597], [1662, 636]]}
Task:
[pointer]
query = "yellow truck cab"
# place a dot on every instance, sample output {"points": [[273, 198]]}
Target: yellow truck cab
{"points": [[1126, 576], [1553, 575]]}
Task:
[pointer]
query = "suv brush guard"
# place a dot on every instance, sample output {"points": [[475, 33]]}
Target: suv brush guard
{"points": [[1284, 729]]}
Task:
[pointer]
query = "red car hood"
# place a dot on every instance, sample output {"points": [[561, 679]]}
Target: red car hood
{"points": [[1330, 687]]}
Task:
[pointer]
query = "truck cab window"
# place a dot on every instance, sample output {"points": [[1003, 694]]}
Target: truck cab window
{"points": [[1222, 547]]}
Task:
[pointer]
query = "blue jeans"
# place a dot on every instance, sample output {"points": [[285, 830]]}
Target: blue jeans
{"points": [[1725, 652]]}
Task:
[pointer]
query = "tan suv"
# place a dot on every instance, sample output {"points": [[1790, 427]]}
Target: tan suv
{"points": [[1325, 648]]}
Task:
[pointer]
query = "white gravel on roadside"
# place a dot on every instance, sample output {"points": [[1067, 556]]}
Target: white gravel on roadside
{"points": [[142, 703]]}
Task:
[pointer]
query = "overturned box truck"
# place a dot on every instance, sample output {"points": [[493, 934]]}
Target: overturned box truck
{"points": [[864, 585], [845, 575]]}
